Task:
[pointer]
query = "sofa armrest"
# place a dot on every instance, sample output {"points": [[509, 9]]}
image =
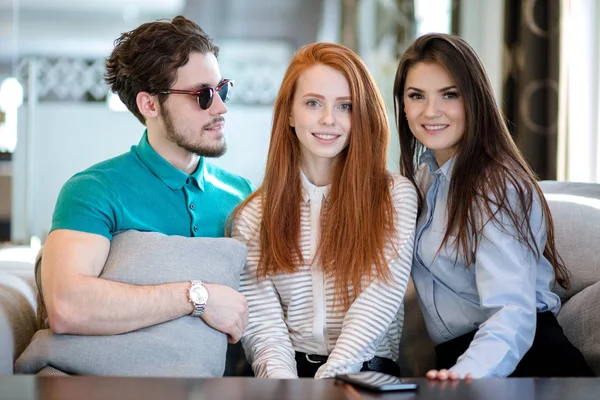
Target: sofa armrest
{"points": [[580, 320], [17, 316]]}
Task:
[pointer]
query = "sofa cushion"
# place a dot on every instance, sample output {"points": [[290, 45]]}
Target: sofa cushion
{"points": [[17, 317], [580, 319], [186, 346], [575, 210], [417, 352]]}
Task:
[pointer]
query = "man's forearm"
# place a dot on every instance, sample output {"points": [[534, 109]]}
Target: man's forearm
{"points": [[96, 306]]}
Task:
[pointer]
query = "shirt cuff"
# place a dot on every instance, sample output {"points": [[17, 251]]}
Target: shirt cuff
{"points": [[280, 373], [328, 370]]}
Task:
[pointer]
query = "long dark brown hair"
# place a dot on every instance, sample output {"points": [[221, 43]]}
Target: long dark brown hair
{"points": [[487, 163], [357, 217]]}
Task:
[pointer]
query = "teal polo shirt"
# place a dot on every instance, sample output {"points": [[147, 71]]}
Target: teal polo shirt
{"points": [[140, 190]]}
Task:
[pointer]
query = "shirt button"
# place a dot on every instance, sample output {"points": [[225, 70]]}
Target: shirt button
{"points": [[195, 228], [192, 206]]}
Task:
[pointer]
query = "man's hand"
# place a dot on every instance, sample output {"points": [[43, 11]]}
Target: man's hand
{"points": [[444, 374], [226, 311]]}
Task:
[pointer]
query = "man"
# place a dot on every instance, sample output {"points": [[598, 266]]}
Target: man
{"points": [[167, 75]]}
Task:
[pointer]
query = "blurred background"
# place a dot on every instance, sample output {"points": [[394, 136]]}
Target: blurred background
{"points": [[57, 116]]}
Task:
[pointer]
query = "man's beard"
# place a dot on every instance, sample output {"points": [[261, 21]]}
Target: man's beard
{"points": [[201, 149]]}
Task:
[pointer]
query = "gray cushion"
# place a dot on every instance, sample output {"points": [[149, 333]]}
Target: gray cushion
{"points": [[182, 347], [580, 319], [576, 212]]}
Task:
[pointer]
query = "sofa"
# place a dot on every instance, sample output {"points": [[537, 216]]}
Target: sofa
{"points": [[576, 212]]}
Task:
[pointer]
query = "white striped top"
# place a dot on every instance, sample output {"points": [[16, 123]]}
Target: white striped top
{"points": [[294, 312]]}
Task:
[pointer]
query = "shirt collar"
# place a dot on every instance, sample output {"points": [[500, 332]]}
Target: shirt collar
{"points": [[310, 191], [162, 169], [445, 170]]}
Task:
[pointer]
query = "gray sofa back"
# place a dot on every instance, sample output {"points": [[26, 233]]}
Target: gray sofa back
{"points": [[576, 212]]}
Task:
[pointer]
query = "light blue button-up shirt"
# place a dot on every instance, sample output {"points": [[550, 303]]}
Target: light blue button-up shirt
{"points": [[499, 295]]}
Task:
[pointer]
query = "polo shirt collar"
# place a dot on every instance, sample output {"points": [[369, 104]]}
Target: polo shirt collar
{"points": [[162, 169]]}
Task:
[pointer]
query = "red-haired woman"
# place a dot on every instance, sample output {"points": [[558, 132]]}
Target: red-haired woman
{"points": [[330, 231]]}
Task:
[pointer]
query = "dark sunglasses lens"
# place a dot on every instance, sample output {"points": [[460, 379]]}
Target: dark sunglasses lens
{"points": [[225, 91], [205, 98]]}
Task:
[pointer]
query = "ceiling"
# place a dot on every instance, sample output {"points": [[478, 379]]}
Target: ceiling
{"points": [[73, 27], [102, 6], [87, 28]]}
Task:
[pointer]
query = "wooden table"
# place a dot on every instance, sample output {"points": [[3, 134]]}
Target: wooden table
{"points": [[91, 388]]}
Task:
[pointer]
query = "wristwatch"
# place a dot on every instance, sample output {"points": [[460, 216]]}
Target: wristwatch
{"points": [[198, 296]]}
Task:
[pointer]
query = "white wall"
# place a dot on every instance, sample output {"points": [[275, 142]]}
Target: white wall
{"points": [[70, 137], [579, 135]]}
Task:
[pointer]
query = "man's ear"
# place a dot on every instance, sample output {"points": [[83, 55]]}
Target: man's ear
{"points": [[148, 105]]}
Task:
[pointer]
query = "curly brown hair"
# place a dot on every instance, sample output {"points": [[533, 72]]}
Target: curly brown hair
{"points": [[146, 59]]}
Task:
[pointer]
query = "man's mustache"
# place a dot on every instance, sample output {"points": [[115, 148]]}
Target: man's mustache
{"points": [[213, 122]]}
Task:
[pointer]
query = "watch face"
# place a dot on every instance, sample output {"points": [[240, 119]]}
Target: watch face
{"points": [[198, 294]]}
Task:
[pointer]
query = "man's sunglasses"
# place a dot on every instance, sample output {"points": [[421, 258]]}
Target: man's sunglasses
{"points": [[205, 95]]}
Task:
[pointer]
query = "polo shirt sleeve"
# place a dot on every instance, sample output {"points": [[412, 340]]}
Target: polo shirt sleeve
{"points": [[86, 203], [247, 188]]}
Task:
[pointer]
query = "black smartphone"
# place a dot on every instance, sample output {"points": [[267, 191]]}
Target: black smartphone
{"points": [[376, 381]]}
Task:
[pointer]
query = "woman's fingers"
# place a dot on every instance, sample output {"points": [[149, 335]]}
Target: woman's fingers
{"points": [[443, 375]]}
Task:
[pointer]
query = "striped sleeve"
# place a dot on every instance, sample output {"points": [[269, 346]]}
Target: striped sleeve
{"points": [[266, 340], [371, 314]]}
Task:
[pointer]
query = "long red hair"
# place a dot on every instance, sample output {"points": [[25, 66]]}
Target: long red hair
{"points": [[357, 216]]}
